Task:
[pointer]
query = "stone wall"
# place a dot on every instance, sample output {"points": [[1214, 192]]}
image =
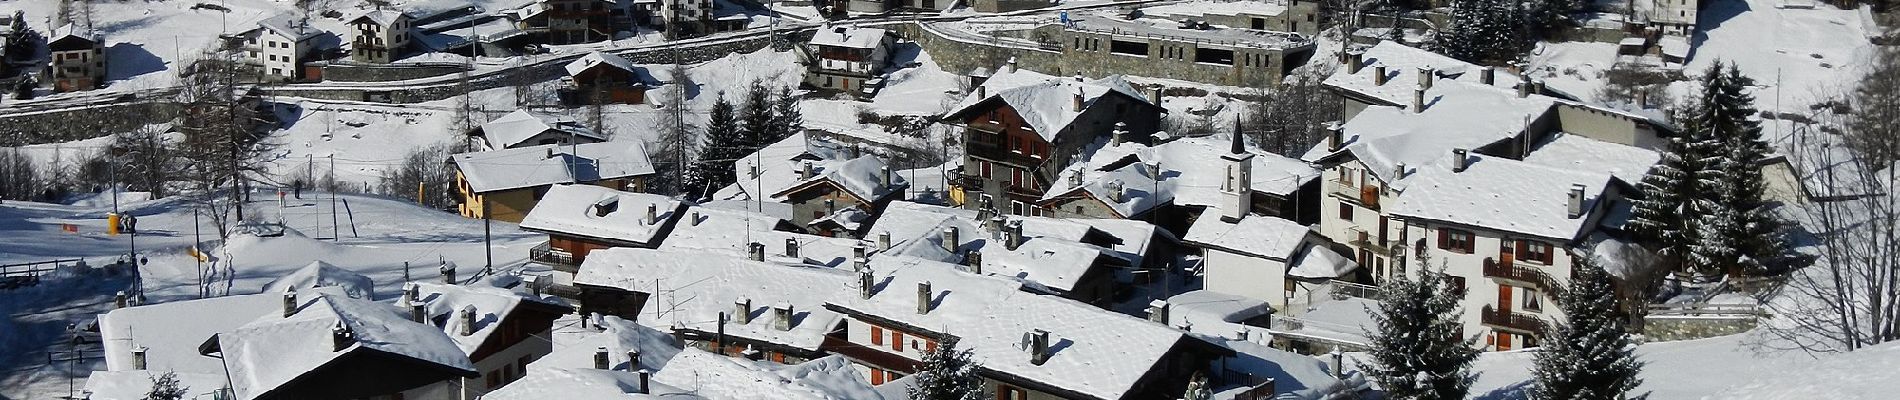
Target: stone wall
{"points": [[354, 72], [1672, 328], [961, 55], [79, 123]]}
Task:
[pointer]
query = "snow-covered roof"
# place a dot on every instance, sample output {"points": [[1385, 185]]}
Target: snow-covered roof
{"points": [[1203, 310], [170, 332], [1113, 22], [1258, 236], [1502, 194], [443, 303], [586, 383], [781, 169], [1197, 8], [1191, 173], [273, 350], [1317, 261], [1576, 152], [1098, 353], [135, 384], [512, 129], [602, 213], [599, 58], [688, 290], [720, 377], [322, 274], [1294, 375], [1457, 115], [381, 17], [290, 26], [521, 167], [727, 232], [1130, 190], [851, 37], [1052, 253], [1047, 104], [620, 336], [1136, 238], [1401, 64]]}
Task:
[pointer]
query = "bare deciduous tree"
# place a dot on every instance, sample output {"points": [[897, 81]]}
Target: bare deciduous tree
{"points": [[222, 136], [674, 148]]}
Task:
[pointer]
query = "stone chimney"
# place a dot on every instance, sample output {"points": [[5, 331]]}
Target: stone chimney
{"points": [[864, 283], [1115, 192], [341, 337], [1537, 86], [884, 241], [646, 380], [550, 153], [1355, 61], [1398, 171], [885, 173], [1576, 201], [1013, 234], [783, 312], [1335, 136], [742, 310], [791, 248], [448, 273], [860, 264], [981, 93], [1418, 100], [695, 221], [1523, 87], [419, 312], [923, 297], [138, 358], [1119, 134], [858, 250], [600, 358], [1378, 75], [1010, 66], [995, 226], [468, 320], [410, 292], [1038, 346], [1158, 311], [806, 172], [653, 214], [1154, 94], [950, 242], [974, 260], [290, 303], [1459, 160], [755, 251], [1425, 76], [831, 207], [1076, 105], [118, 300], [1487, 76]]}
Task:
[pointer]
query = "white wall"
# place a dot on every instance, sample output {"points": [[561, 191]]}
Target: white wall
{"points": [[1484, 291], [1333, 197], [1249, 276]]}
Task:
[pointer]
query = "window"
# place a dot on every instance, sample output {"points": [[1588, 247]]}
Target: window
{"points": [[1455, 240], [1532, 250], [1345, 211], [1457, 284], [1007, 392], [1530, 302], [877, 335], [984, 166], [494, 380], [1016, 207], [930, 346], [877, 376]]}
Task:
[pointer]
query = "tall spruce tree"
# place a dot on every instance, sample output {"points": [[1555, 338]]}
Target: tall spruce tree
{"points": [[756, 117], [1588, 357], [786, 116], [1736, 233], [947, 374], [1416, 351], [1485, 32], [723, 143]]}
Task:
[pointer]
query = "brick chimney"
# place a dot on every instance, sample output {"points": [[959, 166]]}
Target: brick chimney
{"points": [[600, 358], [974, 260], [1335, 136]]}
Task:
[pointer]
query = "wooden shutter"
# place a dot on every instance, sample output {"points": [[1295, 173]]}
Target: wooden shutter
{"points": [[877, 335], [897, 341], [1524, 250], [877, 376], [930, 345], [1444, 238]]}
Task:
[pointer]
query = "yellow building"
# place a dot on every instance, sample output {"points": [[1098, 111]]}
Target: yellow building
{"points": [[505, 184]]}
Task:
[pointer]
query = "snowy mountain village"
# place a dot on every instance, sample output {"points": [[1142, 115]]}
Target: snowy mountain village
{"points": [[949, 199]]}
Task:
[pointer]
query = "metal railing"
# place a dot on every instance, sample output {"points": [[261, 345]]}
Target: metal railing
{"points": [[1349, 289], [560, 260], [1706, 309]]}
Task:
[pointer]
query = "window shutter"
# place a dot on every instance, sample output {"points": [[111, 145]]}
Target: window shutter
{"points": [[897, 341], [1444, 239], [877, 335], [1524, 250]]}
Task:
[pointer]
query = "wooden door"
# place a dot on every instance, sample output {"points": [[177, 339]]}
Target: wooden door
{"points": [[1504, 341], [1505, 254], [1504, 300]]}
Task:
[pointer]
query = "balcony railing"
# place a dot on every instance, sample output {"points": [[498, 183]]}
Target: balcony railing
{"points": [[1511, 320], [1359, 237], [1366, 195], [559, 259], [1522, 274]]}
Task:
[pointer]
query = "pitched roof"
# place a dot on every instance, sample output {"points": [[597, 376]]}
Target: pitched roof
{"points": [[170, 332], [1045, 103], [781, 167], [289, 26], [493, 307], [726, 232], [503, 169], [1402, 63], [598, 58], [717, 376], [1576, 152], [381, 17], [1130, 190], [598, 212], [1457, 115], [690, 289], [852, 37], [514, 128], [1191, 175], [322, 274], [1502, 194], [1052, 254], [271, 351], [586, 383], [1097, 353], [1258, 236]]}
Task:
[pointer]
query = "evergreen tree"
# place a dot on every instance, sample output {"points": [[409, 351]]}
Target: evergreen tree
{"points": [[786, 115], [1485, 32], [1198, 388], [1417, 353], [1588, 357], [166, 387], [756, 117], [1736, 232], [947, 374], [1661, 215], [723, 143]]}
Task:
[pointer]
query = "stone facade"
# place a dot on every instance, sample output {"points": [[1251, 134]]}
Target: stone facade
{"points": [[1672, 328], [355, 72], [1064, 52]]}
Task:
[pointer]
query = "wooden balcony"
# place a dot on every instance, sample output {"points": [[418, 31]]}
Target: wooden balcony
{"points": [[1493, 317], [880, 358], [1522, 275], [560, 260], [1366, 195]]}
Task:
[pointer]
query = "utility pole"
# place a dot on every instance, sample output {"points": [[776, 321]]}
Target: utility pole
{"points": [[335, 231], [488, 237]]}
